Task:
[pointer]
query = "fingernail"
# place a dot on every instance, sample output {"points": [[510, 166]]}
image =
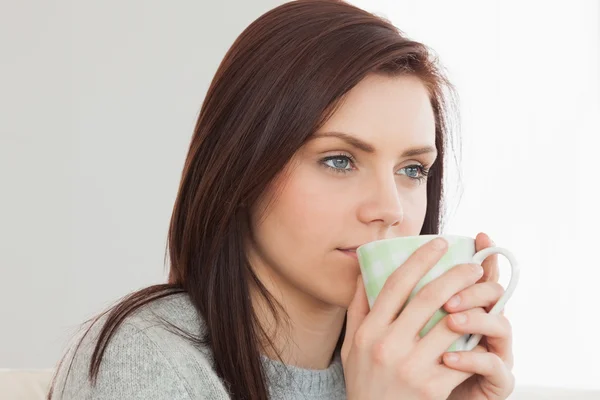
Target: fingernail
{"points": [[459, 318], [452, 357], [439, 243], [454, 301]]}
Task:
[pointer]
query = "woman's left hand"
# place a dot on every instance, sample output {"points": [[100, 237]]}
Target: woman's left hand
{"points": [[491, 361]]}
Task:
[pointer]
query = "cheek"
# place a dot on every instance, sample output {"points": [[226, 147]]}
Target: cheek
{"points": [[416, 208], [298, 236], [304, 216]]}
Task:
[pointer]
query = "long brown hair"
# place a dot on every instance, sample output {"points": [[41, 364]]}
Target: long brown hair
{"points": [[278, 83]]}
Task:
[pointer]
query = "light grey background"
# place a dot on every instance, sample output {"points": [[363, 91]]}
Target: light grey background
{"points": [[98, 101]]}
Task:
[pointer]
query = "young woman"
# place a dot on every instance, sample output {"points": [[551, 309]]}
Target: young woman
{"points": [[324, 128]]}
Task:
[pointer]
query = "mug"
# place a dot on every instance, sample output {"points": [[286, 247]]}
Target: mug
{"points": [[380, 258]]}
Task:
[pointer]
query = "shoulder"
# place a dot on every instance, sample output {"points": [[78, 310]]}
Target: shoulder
{"points": [[147, 357]]}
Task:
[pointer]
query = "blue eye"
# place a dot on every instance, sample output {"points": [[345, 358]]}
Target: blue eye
{"points": [[340, 163], [414, 171], [421, 172]]}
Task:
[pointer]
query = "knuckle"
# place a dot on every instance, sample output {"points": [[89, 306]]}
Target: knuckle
{"points": [[426, 256], [511, 383], [407, 372], [506, 325], [495, 362], [496, 289], [464, 274], [391, 284], [447, 320], [425, 252], [476, 310], [472, 271], [429, 392], [428, 294], [380, 354], [510, 363], [361, 339]]}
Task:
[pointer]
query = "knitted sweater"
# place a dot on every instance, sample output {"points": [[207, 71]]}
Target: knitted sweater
{"points": [[147, 360]]}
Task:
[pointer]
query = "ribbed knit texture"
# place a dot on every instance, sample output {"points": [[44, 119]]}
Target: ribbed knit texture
{"points": [[147, 360]]}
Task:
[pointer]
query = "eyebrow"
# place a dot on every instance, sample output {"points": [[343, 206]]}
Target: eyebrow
{"points": [[368, 148]]}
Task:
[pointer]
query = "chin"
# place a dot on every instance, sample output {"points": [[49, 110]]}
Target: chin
{"points": [[338, 293], [332, 282]]}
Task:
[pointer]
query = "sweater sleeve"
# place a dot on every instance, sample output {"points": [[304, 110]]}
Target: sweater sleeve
{"points": [[133, 367]]}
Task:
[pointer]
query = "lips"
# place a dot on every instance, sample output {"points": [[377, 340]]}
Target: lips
{"points": [[349, 252]]}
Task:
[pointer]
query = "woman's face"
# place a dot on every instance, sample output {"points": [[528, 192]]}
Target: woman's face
{"points": [[358, 179]]}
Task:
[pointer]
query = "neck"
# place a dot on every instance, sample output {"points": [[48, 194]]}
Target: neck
{"points": [[309, 337]]}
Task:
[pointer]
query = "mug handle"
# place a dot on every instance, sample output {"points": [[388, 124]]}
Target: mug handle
{"points": [[512, 284]]}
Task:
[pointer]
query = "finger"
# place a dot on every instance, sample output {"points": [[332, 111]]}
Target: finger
{"points": [[490, 264], [436, 342], [449, 377], [357, 311], [487, 364], [483, 295], [401, 282], [427, 302], [495, 327]]}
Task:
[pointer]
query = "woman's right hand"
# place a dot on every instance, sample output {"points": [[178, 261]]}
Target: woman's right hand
{"points": [[382, 354]]}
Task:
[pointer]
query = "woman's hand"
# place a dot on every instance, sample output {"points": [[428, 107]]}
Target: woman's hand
{"points": [[382, 354], [492, 360]]}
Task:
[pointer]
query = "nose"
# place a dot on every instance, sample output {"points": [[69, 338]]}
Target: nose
{"points": [[383, 204]]}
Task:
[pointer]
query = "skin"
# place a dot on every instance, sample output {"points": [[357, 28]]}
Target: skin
{"points": [[311, 211]]}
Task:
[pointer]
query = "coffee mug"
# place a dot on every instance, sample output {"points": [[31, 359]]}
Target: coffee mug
{"points": [[380, 258]]}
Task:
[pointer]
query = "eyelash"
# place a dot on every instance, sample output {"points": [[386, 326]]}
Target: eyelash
{"points": [[422, 169]]}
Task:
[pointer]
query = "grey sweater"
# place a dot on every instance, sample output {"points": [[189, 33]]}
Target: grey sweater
{"points": [[146, 360]]}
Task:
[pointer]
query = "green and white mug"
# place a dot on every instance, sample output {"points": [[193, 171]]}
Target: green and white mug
{"points": [[380, 258]]}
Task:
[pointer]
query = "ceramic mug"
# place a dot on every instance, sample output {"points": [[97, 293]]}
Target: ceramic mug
{"points": [[380, 258]]}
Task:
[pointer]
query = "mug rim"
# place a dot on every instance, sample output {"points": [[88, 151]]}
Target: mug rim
{"points": [[429, 235]]}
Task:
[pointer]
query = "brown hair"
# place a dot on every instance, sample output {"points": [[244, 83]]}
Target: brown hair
{"points": [[278, 83]]}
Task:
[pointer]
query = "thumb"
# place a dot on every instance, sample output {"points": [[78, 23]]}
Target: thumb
{"points": [[357, 311]]}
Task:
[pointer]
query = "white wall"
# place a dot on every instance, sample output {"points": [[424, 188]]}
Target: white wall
{"points": [[528, 76], [97, 105]]}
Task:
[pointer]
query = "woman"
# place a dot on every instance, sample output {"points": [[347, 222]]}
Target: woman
{"points": [[324, 128]]}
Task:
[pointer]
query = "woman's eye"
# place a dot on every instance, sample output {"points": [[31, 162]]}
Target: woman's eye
{"points": [[412, 171], [343, 164], [417, 173], [339, 163]]}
